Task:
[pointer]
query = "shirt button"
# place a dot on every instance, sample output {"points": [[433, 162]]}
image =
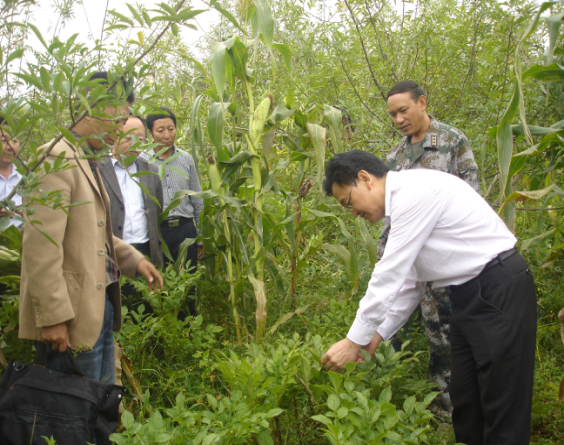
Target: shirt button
{"points": [[101, 223], [121, 209], [101, 252], [100, 286], [120, 229], [37, 315]]}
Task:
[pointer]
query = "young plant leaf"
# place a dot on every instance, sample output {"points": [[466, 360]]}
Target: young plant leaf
{"points": [[317, 135], [334, 118], [215, 126], [215, 4], [286, 54]]}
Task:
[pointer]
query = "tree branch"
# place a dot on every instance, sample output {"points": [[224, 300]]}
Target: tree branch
{"points": [[360, 98], [57, 139], [365, 52], [399, 37], [470, 69], [384, 57], [102, 32], [505, 74], [526, 209]]}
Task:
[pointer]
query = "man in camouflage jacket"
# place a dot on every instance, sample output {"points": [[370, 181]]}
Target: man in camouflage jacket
{"points": [[438, 147]]}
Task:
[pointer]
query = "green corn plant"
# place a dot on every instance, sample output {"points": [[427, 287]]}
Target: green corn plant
{"points": [[240, 170], [547, 138]]}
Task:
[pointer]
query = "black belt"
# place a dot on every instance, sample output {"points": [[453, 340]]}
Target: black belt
{"points": [[140, 246], [499, 259], [176, 222]]}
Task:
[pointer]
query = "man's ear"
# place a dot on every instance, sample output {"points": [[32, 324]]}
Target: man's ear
{"points": [[422, 102], [365, 178]]}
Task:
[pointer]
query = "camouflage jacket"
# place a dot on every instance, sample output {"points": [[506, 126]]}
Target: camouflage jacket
{"points": [[444, 148]]}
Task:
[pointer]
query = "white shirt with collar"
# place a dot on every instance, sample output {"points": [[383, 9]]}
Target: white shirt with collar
{"points": [[135, 225], [442, 232], [6, 186]]}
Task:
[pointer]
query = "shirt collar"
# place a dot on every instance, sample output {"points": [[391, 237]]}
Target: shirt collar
{"points": [[427, 140], [115, 162], [173, 151], [13, 174], [430, 139]]}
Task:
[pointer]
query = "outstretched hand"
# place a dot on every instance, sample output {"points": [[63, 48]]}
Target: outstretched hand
{"points": [[340, 354], [151, 274]]}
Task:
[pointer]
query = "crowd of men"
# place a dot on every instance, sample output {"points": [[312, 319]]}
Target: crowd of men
{"points": [[442, 248], [70, 294]]}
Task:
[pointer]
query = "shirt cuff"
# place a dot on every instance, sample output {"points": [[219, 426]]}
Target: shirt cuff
{"points": [[361, 333], [387, 329]]}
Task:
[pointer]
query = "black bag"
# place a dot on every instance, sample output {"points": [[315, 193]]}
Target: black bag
{"points": [[36, 401]]}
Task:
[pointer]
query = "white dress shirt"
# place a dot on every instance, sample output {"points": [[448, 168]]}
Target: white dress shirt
{"points": [[6, 186], [442, 232], [135, 225]]}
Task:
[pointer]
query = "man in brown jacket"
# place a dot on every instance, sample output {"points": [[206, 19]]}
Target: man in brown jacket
{"points": [[70, 294]]}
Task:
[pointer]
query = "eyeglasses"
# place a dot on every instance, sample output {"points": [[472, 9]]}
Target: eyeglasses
{"points": [[348, 206]]}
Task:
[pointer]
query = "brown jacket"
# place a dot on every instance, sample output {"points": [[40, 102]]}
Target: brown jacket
{"points": [[67, 282]]}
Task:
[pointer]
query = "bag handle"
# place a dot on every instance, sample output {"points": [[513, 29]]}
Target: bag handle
{"points": [[68, 357]]}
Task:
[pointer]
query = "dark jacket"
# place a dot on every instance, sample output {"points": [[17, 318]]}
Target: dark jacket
{"points": [[153, 185]]}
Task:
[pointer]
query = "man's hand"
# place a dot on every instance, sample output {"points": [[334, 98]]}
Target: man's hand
{"points": [[57, 336], [340, 354], [151, 274], [200, 252], [371, 347]]}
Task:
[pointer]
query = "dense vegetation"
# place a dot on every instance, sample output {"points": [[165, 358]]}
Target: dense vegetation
{"points": [[275, 90]]}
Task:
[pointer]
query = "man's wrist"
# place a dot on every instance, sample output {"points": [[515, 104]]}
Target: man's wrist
{"points": [[353, 344], [360, 334]]}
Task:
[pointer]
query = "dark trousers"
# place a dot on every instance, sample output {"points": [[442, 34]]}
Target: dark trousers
{"points": [[493, 333], [173, 237], [134, 298]]}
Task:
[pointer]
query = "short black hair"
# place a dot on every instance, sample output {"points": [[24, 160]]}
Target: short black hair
{"points": [[160, 113], [344, 167], [5, 123], [104, 76], [406, 86], [143, 121]]}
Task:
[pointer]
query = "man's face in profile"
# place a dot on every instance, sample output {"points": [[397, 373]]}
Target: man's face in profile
{"points": [[10, 147], [407, 113], [106, 125], [134, 129]]}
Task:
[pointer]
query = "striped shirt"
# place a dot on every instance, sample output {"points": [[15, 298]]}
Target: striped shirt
{"points": [[190, 206]]}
